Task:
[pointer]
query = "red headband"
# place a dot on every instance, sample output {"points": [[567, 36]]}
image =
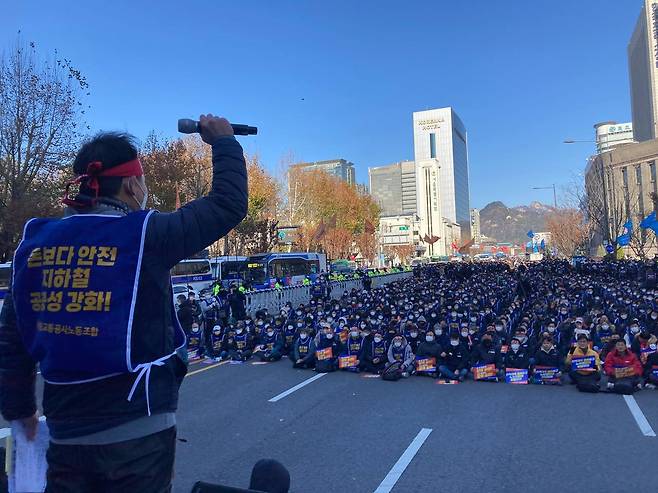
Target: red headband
{"points": [[94, 171]]}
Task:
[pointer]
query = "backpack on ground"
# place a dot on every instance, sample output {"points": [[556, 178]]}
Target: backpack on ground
{"points": [[392, 371]]}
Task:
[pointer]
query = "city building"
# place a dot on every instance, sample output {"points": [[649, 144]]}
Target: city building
{"points": [[394, 188], [338, 167], [610, 134], [642, 69], [618, 187], [476, 234], [441, 157]]}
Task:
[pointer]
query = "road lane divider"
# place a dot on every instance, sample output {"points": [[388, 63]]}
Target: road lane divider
{"points": [[639, 416], [277, 398], [405, 459]]}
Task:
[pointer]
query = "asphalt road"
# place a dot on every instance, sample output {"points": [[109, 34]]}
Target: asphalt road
{"points": [[344, 433]]}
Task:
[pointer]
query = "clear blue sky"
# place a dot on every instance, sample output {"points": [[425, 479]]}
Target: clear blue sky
{"points": [[523, 75]]}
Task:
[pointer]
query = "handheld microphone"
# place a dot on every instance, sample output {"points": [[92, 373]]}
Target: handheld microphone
{"points": [[189, 126]]}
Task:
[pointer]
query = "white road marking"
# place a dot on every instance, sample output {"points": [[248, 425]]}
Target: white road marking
{"points": [[296, 387], [5, 432], [405, 459], [640, 419]]}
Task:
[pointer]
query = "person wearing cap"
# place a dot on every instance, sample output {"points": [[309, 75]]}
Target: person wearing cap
{"points": [[582, 349], [216, 342], [118, 381], [303, 351], [399, 351], [622, 366]]}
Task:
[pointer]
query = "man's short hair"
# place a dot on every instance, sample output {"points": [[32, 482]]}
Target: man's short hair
{"points": [[111, 149]]}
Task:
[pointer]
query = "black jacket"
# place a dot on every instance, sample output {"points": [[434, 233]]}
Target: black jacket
{"points": [[456, 358], [552, 358], [429, 350], [482, 355], [520, 359], [82, 409]]}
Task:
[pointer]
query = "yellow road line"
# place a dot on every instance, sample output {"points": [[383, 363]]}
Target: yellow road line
{"points": [[206, 368]]}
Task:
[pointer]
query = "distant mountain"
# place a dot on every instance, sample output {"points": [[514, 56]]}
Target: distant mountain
{"points": [[511, 224]]}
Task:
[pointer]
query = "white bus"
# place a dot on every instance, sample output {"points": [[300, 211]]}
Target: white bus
{"points": [[195, 273]]}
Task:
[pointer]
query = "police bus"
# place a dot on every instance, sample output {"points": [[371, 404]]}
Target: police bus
{"points": [[265, 269], [228, 269], [195, 273], [5, 281]]}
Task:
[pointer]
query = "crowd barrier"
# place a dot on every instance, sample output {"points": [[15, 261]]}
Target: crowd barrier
{"points": [[274, 299]]}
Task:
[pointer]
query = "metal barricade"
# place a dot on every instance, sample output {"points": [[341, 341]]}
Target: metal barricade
{"points": [[274, 299]]}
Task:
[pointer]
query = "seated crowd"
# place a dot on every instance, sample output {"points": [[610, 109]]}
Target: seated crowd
{"points": [[546, 323]]}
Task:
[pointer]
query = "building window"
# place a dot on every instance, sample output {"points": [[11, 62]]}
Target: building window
{"points": [[433, 145], [652, 170], [624, 177]]}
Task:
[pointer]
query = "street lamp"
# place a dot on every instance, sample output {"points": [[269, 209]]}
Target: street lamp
{"points": [[549, 188]]}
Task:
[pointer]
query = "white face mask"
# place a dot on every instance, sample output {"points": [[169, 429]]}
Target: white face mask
{"points": [[429, 338], [454, 343], [515, 347], [354, 334], [145, 197], [330, 335], [378, 339], [270, 333], [303, 336], [397, 344]]}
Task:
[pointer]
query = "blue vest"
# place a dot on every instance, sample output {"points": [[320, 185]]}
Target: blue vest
{"points": [[74, 289], [398, 353], [216, 338], [353, 346], [304, 346], [241, 341]]}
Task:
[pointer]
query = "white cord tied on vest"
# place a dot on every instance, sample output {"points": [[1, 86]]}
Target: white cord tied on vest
{"points": [[144, 369]]}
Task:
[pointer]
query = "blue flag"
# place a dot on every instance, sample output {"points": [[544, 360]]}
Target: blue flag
{"points": [[542, 244], [625, 238], [531, 234], [650, 222]]}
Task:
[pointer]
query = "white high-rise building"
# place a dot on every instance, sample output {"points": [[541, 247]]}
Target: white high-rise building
{"points": [[442, 189], [611, 134], [643, 72]]}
